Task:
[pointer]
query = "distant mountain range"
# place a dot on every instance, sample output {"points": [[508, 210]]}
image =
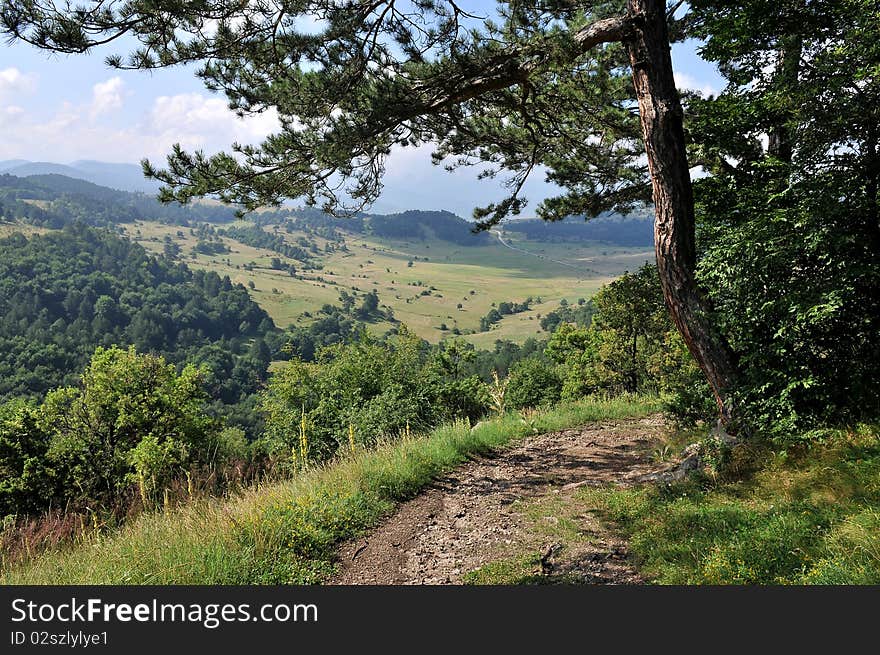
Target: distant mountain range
{"points": [[52, 195], [53, 200], [124, 177]]}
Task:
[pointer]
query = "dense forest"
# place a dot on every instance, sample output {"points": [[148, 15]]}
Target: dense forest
{"points": [[65, 293], [257, 237], [414, 225], [424, 225]]}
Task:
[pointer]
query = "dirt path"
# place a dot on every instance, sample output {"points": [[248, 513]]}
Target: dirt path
{"points": [[517, 509], [506, 244]]}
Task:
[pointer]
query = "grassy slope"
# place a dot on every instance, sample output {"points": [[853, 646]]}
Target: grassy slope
{"points": [[493, 272], [288, 532], [806, 518], [8, 228]]}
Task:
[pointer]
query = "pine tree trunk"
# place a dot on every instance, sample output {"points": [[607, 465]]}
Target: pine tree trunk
{"points": [[674, 223]]}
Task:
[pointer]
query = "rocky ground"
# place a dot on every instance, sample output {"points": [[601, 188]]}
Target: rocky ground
{"points": [[516, 510]]}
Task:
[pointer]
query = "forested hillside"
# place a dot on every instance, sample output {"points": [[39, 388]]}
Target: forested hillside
{"points": [[56, 200], [625, 231], [65, 293], [422, 225]]}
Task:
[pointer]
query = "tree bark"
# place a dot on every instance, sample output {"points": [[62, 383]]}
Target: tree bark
{"points": [[661, 117]]}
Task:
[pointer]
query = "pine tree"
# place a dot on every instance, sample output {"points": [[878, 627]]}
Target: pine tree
{"points": [[550, 85]]}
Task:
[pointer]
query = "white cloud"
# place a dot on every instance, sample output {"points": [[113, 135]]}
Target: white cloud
{"points": [[208, 123], [14, 83], [412, 182], [197, 121], [12, 111], [686, 81], [106, 97], [192, 119]]}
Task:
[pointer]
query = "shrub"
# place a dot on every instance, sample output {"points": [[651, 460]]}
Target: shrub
{"points": [[533, 382]]}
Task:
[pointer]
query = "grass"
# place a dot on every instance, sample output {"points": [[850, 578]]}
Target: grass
{"points": [[519, 569], [289, 532], [806, 517], [8, 228], [454, 271]]}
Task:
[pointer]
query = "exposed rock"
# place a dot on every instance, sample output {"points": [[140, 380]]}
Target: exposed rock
{"points": [[475, 515]]}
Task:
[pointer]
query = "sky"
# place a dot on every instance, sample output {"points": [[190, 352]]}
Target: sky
{"points": [[63, 108]]}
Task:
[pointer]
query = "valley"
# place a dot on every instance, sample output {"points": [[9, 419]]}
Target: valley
{"points": [[435, 287]]}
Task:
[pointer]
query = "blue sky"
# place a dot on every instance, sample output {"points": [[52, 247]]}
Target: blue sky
{"points": [[63, 108]]}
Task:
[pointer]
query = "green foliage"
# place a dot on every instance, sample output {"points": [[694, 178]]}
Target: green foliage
{"points": [[809, 518], [533, 382], [133, 419], [257, 237], [462, 394], [790, 233], [382, 388], [581, 315], [26, 477], [205, 247], [288, 532], [396, 77], [629, 345], [55, 201], [335, 324], [687, 397], [502, 357], [505, 308], [425, 225], [612, 229], [65, 293], [133, 422]]}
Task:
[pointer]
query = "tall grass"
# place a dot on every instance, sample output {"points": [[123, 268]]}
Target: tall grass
{"points": [[289, 532]]}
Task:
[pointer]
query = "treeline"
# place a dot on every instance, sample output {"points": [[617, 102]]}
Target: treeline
{"points": [[634, 232], [55, 200], [426, 225], [414, 225], [334, 324], [506, 308], [257, 237], [579, 314]]}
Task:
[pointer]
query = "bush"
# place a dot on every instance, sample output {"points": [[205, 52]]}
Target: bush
{"points": [[133, 419], [533, 382], [26, 479], [378, 388], [467, 398]]}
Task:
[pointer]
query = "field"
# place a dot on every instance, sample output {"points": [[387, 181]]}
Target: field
{"points": [[430, 285], [7, 228]]}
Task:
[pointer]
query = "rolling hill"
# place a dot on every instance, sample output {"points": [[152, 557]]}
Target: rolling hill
{"points": [[429, 269]]}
